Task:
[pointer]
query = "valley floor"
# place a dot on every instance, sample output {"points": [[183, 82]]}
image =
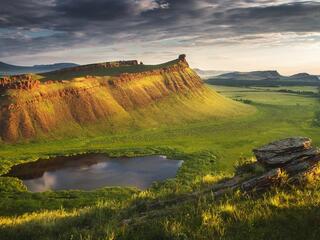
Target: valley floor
{"points": [[210, 149]]}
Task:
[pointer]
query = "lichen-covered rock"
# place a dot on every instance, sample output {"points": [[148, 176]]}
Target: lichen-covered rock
{"points": [[281, 152], [294, 159], [295, 156]]}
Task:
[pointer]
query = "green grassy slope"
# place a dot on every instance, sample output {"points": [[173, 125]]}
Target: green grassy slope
{"points": [[210, 147]]}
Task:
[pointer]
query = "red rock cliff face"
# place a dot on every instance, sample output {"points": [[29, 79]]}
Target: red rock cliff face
{"points": [[179, 78], [18, 82], [40, 110]]}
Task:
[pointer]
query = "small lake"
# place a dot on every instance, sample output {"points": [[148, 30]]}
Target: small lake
{"points": [[92, 171]]}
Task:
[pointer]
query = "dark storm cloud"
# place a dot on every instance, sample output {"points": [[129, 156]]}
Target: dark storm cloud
{"points": [[294, 17], [99, 10], [34, 26]]}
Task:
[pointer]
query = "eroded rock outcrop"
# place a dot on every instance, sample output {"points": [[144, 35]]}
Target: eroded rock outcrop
{"points": [[295, 156], [183, 80], [285, 151], [24, 81]]}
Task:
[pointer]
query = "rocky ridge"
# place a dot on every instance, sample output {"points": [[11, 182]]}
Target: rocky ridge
{"points": [[94, 66]]}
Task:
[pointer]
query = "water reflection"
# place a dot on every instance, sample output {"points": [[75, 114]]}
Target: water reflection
{"points": [[93, 171]]}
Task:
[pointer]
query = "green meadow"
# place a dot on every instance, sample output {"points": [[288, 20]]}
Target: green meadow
{"points": [[210, 149], [277, 115]]}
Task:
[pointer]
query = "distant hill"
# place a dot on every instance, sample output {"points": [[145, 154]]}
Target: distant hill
{"points": [[8, 69], [256, 75], [264, 78], [205, 74], [304, 76]]}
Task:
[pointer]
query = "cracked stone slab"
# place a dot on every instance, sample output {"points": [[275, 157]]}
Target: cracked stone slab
{"points": [[284, 151]]}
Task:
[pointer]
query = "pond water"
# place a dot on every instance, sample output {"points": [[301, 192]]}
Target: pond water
{"points": [[91, 171]]}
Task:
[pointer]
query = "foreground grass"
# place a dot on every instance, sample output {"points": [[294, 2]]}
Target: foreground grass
{"points": [[278, 214], [210, 149]]}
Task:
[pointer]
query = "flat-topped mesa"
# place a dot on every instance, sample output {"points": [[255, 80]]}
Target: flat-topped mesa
{"points": [[179, 66], [106, 99], [104, 65], [24, 81]]}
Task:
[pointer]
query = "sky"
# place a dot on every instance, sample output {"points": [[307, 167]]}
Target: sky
{"points": [[241, 35]]}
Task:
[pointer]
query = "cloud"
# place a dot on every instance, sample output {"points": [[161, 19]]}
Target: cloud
{"points": [[292, 17], [103, 10], [30, 26]]}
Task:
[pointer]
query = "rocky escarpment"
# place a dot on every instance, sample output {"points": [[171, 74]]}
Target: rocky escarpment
{"points": [[105, 65], [136, 96], [18, 82], [174, 86]]}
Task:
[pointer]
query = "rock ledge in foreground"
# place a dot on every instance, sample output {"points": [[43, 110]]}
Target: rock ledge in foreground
{"points": [[285, 151]]}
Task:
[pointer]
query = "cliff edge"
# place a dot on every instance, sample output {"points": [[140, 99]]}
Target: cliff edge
{"points": [[105, 98]]}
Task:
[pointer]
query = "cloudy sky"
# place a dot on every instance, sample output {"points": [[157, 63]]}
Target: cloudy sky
{"points": [[215, 34]]}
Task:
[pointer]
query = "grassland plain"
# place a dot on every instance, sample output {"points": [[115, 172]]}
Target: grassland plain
{"points": [[210, 149]]}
